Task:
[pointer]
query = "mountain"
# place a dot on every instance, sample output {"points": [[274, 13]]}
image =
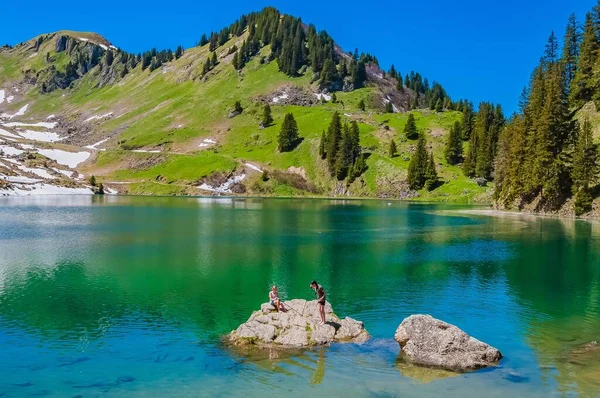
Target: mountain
{"points": [[191, 121]]}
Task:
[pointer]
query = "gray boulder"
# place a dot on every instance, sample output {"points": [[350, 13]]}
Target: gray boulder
{"points": [[298, 327], [426, 341]]}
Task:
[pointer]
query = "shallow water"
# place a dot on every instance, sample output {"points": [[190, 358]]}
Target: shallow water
{"points": [[126, 296]]}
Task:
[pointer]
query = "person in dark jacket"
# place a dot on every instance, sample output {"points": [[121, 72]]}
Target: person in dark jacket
{"points": [[321, 298]]}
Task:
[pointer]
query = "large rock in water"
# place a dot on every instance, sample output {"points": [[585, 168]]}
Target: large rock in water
{"points": [[298, 327], [427, 341]]}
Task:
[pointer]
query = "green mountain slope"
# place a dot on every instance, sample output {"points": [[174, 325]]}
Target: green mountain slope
{"points": [[169, 130]]}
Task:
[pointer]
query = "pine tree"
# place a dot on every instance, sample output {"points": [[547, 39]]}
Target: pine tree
{"points": [[334, 136], [399, 85], [571, 50], [418, 166], [344, 160], [468, 120], [333, 98], [361, 105], [359, 167], [453, 150], [393, 150], [288, 136], [213, 60], [410, 129], [178, 52], [323, 146], [439, 106], [238, 107], [581, 87], [585, 168], [235, 61], [267, 118], [431, 176], [389, 107]]}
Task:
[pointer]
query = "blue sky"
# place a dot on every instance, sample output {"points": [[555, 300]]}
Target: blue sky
{"points": [[482, 50]]}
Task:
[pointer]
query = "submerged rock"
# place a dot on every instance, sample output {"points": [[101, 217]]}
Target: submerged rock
{"points": [[426, 341], [298, 327]]}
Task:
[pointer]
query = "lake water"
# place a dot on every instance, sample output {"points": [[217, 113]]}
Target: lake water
{"points": [[128, 296]]}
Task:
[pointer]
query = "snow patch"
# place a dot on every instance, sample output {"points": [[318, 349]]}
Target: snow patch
{"points": [[207, 142], [98, 117], [1, 96], [253, 167], [20, 179], [39, 172], [113, 47], [63, 172], [20, 112], [320, 96], [95, 146], [42, 136], [48, 125], [145, 151], [84, 39], [10, 98], [7, 134], [283, 96], [50, 117], [44, 189], [225, 187], [10, 151], [103, 46], [70, 159]]}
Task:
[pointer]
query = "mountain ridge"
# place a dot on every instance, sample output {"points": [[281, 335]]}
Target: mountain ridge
{"points": [[166, 128]]}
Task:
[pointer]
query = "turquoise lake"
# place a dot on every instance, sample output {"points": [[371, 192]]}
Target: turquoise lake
{"points": [[130, 296]]}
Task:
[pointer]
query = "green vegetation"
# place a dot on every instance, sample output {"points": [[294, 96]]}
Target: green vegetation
{"points": [[547, 153], [345, 145]]}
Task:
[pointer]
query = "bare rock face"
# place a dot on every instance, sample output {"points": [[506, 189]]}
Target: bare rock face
{"points": [[298, 327], [426, 341]]}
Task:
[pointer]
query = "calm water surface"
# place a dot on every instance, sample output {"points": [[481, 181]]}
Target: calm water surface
{"points": [[125, 296]]}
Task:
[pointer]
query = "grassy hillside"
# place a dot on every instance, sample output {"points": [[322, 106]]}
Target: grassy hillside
{"points": [[172, 110]]}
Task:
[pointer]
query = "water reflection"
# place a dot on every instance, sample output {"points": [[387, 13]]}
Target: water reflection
{"points": [[83, 276]]}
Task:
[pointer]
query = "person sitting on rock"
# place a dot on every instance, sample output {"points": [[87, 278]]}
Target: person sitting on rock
{"points": [[320, 293], [274, 299]]}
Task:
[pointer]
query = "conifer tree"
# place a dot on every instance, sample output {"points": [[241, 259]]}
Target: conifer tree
{"points": [[453, 150], [418, 166], [359, 167], [581, 87], [389, 108], [399, 85], [439, 106], [333, 98], [334, 136], [410, 129], [238, 107], [288, 136], [468, 120], [431, 176], [344, 160], [267, 118], [393, 149], [235, 61], [571, 50], [585, 168], [178, 52], [213, 60], [361, 105], [323, 145]]}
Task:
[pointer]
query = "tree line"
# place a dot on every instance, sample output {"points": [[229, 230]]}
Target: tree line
{"points": [[545, 154]]}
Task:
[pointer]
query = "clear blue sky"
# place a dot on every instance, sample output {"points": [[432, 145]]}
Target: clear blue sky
{"points": [[479, 49]]}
